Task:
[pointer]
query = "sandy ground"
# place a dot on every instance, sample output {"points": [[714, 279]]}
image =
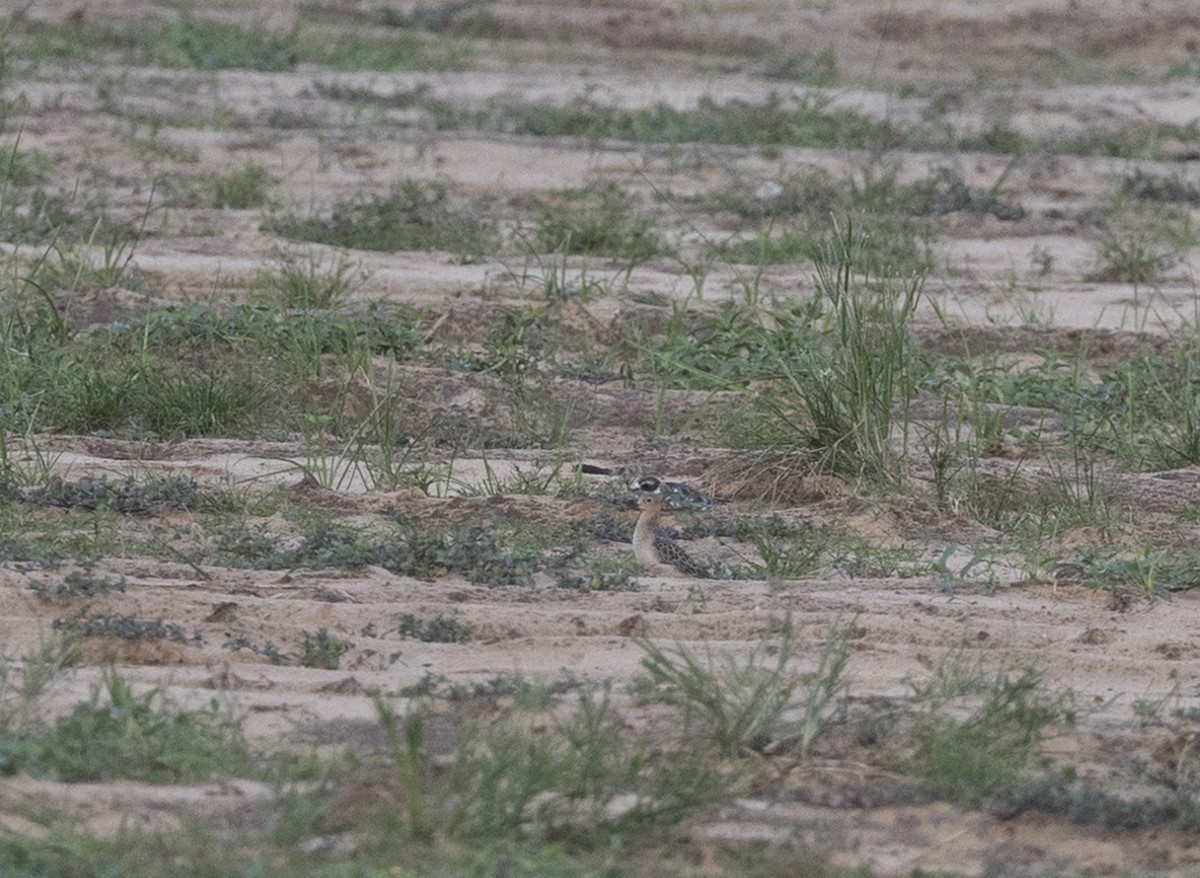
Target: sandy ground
{"points": [[1042, 65]]}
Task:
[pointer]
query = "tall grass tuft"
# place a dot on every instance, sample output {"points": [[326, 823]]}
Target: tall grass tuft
{"points": [[844, 367], [742, 704]]}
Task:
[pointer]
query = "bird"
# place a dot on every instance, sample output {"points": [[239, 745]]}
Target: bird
{"points": [[654, 549], [677, 494]]}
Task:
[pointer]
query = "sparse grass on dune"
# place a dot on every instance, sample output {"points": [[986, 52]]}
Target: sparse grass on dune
{"points": [[664, 321], [198, 371], [190, 41], [412, 216], [597, 222]]}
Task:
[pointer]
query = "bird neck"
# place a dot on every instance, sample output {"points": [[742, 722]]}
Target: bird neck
{"points": [[643, 537], [648, 519]]}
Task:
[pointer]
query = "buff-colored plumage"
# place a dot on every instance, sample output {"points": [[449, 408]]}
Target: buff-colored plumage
{"points": [[656, 551]]}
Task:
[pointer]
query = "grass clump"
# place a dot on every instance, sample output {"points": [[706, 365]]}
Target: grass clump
{"points": [[127, 496], [494, 556], [267, 650], [1146, 573], [61, 380], [84, 538], [777, 121], [125, 628], [995, 748], [410, 217], [506, 782], [719, 351], [439, 629], [839, 391], [24, 168], [226, 401], [887, 246], [117, 734], [352, 50], [64, 269], [769, 247], [277, 331], [241, 189], [742, 704], [1141, 254], [831, 377], [299, 281], [1144, 411], [197, 370], [1146, 186], [46, 219], [20, 691], [597, 222], [479, 553], [514, 344], [188, 41], [945, 192], [207, 44], [322, 650], [77, 584]]}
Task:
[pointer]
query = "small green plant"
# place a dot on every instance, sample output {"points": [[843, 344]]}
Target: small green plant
{"points": [[125, 628], [439, 629], [208, 44], [945, 191], [526, 694], [117, 734], [513, 345], [536, 480], [48, 219], [77, 584], [413, 767], [776, 121], [597, 222], [769, 247], [599, 572], [128, 496], [68, 268], [1189, 69], [995, 748], [401, 50], [1147, 186], [20, 691], [788, 556], [23, 462], [742, 703], [505, 782], [552, 279], [268, 650], [537, 421], [1149, 710], [1139, 257], [239, 190], [322, 650], [1148, 572], [226, 400], [493, 555], [304, 281], [839, 391], [413, 216]]}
